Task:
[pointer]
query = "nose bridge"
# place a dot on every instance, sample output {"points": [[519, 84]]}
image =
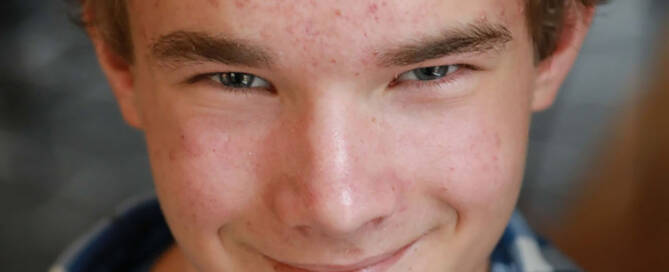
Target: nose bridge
{"points": [[329, 141], [334, 189]]}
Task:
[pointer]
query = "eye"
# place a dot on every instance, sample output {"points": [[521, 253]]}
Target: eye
{"points": [[428, 73], [238, 80]]}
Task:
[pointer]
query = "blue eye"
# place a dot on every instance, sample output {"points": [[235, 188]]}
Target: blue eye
{"points": [[428, 73], [239, 80]]}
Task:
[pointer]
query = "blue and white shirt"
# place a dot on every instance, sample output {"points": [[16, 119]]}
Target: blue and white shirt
{"points": [[134, 238]]}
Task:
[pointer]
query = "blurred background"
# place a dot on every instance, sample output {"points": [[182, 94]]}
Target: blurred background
{"points": [[67, 159]]}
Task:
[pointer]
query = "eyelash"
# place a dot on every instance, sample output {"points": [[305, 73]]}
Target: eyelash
{"points": [[239, 91], [440, 82], [436, 83]]}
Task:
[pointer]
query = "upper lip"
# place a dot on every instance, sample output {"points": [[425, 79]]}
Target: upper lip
{"points": [[349, 267]]}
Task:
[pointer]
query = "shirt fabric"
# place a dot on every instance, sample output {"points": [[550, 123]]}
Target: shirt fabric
{"points": [[137, 235]]}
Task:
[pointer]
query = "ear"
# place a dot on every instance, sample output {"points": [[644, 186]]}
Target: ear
{"points": [[119, 73], [553, 70]]}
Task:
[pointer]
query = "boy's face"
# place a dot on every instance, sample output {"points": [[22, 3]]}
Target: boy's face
{"points": [[339, 155]]}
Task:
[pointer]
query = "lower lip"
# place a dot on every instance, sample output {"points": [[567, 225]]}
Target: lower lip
{"points": [[380, 266]]}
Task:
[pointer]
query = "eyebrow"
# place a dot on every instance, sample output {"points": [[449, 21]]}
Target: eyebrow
{"points": [[478, 37], [188, 46]]}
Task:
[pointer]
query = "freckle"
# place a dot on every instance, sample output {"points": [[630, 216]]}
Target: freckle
{"points": [[357, 74], [384, 3], [213, 3], [183, 137], [451, 169], [374, 121], [172, 156]]}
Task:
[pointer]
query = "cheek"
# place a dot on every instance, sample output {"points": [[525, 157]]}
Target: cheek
{"points": [[202, 172], [468, 161], [486, 171]]}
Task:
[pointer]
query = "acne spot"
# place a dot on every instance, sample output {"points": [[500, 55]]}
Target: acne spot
{"points": [[357, 74], [373, 8], [338, 13], [172, 156], [310, 30], [403, 208], [239, 4], [498, 141], [333, 61]]}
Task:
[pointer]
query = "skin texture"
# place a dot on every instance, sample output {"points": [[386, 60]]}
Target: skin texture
{"points": [[340, 162]]}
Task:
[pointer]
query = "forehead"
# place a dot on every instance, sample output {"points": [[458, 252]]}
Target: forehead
{"points": [[342, 28]]}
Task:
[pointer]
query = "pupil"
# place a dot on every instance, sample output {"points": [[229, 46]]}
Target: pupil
{"points": [[237, 80], [431, 73]]}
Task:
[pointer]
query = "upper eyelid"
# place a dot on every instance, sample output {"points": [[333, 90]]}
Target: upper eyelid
{"points": [[446, 78], [460, 66]]}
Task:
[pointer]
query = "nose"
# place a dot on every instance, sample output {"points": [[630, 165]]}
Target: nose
{"points": [[332, 180]]}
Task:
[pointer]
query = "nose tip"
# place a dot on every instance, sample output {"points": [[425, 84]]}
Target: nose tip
{"points": [[333, 189], [340, 211]]}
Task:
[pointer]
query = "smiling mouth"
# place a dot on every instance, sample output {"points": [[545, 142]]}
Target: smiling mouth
{"points": [[378, 263]]}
